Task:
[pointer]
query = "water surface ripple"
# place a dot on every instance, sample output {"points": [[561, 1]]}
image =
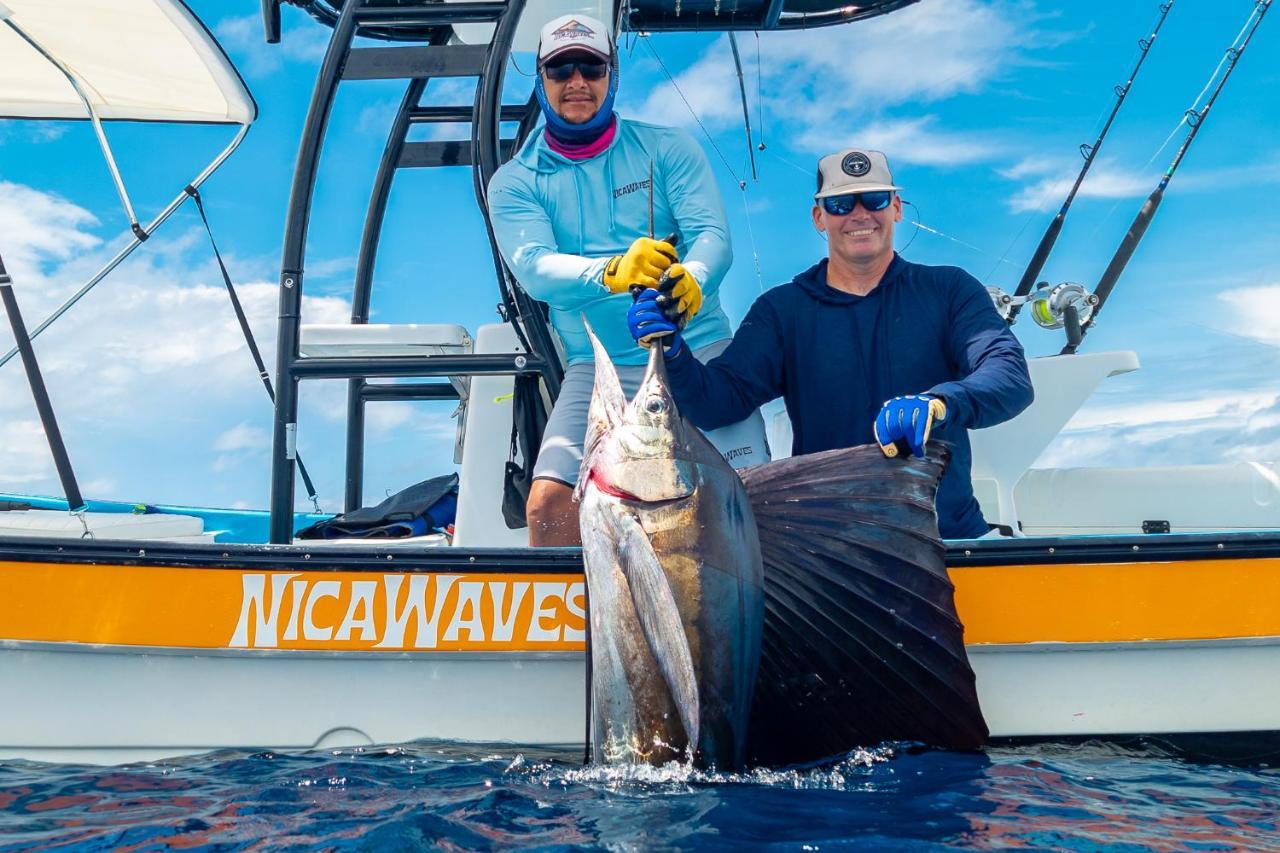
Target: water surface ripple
{"points": [[464, 796]]}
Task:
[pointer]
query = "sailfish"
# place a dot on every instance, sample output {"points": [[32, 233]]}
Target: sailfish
{"points": [[789, 614]]}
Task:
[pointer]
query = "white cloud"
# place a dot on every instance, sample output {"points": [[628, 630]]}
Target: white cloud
{"points": [[377, 116], [302, 40], [242, 436], [1031, 167], [33, 131], [99, 486], [1257, 312], [431, 421], [156, 395], [383, 417], [1169, 414], [40, 227], [1222, 177], [327, 268], [824, 82], [1053, 179], [910, 140], [149, 373], [1209, 429], [706, 85], [24, 452]]}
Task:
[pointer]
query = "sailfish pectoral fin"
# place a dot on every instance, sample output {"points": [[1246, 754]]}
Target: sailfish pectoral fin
{"points": [[659, 616]]}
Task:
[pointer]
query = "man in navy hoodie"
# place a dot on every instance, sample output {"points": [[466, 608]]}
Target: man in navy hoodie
{"points": [[863, 346]]}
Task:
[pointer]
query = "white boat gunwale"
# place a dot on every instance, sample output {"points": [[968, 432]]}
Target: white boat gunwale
{"points": [[1049, 550]]}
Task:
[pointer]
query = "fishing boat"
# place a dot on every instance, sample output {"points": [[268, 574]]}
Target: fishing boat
{"points": [[1136, 602]]}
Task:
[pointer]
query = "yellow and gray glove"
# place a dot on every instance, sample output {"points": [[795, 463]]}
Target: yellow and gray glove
{"points": [[643, 264], [680, 294]]}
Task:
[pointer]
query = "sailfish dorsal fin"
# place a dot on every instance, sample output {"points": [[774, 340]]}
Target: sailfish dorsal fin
{"points": [[607, 406]]}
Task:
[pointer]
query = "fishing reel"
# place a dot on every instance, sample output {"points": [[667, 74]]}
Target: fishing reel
{"points": [[1051, 307], [1067, 305]]}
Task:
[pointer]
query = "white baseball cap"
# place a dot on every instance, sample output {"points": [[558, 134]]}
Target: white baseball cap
{"points": [[574, 33], [853, 170]]}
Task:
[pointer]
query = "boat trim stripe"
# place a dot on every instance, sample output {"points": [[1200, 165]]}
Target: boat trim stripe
{"points": [[371, 557]]}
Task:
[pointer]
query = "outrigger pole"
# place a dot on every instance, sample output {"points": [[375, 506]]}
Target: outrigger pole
{"points": [[75, 502], [1089, 152], [1195, 120]]}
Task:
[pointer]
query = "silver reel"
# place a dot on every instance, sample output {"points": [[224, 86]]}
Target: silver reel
{"points": [[1048, 305]]}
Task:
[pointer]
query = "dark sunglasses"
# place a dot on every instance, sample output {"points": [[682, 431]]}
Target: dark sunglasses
{"points": [[841, 205], [563, 71]]}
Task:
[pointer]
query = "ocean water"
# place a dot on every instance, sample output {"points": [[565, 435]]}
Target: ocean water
{"points": [[463, 796]]}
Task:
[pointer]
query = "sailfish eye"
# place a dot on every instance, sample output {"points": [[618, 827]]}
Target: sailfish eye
{"points": [[655, 405]]}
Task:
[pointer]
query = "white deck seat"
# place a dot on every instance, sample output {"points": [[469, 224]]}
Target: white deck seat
{"points": [[387, 340], [373, 340], [103, 525], [487, 413]]}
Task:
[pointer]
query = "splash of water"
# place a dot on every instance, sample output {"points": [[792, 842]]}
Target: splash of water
{"points": [[831, 776]]}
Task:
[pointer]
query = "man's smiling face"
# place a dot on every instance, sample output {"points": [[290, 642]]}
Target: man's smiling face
{"points": [[861, 236]]}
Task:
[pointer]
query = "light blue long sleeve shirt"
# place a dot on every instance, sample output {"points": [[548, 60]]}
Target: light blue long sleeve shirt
{"points": [[558, 222]]}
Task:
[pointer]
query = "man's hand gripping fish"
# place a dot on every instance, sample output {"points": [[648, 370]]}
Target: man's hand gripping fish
{"points": [[796, 615]]}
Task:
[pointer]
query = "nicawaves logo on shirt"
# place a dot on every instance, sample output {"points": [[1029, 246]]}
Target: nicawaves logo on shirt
{"points": [[632, 187]]}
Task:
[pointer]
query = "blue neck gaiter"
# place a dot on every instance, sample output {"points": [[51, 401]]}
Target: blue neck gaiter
{"points": [[578, 134]]}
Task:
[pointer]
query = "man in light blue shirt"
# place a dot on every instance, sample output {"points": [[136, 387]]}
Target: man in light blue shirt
{"points": [[571, 212]]}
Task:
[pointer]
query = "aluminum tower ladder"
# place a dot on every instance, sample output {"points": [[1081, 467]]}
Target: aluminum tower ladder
{"points": [[427, 49]]}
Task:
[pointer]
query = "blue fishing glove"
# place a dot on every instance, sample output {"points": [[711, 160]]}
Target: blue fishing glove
{"points": [[904, 422], [648, 322]]}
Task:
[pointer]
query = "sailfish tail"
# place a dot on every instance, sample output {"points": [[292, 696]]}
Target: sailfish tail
{"points": [[862, 642]]}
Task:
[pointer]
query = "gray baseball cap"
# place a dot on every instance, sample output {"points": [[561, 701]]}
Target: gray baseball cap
{"points": [[853, 170]]}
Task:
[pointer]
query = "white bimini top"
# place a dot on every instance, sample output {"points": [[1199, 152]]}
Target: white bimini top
{"points": [[139, 60]]}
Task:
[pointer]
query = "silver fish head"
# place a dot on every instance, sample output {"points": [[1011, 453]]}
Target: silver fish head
{"points": [[637, 450]]}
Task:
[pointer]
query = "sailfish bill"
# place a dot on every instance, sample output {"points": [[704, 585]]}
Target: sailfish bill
{"points": [[793, 613]]}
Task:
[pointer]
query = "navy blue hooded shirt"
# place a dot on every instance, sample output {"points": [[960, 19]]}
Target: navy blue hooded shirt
{"points": [[835, 358]]}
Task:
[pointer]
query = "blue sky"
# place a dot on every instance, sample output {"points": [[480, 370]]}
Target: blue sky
{"points": [[980, 107]]}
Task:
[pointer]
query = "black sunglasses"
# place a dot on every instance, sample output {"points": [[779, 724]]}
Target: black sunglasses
{"points": [[842, 205], [561, 72]]}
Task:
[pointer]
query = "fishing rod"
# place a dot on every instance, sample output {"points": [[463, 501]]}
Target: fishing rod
{"points": [[1089, 152], [746, 116], [1195, 120]]}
